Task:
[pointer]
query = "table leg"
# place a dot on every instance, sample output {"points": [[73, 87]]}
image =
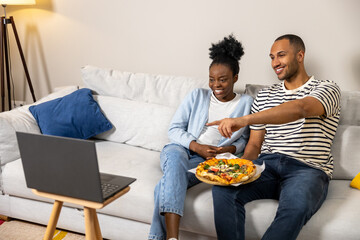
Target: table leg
{"points": [[97, 226], [53, 220], [90, 230]]}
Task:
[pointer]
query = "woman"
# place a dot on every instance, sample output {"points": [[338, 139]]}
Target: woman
{"points": [[192, 141]]}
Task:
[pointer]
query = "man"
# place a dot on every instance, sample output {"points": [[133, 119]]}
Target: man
{"points": [[293, 124]]}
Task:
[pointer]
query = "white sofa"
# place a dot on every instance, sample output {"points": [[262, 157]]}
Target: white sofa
{"points": [[140, 107]]}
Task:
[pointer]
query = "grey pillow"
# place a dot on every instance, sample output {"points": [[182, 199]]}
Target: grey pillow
{"points": [[350, 105], [253, 89]]}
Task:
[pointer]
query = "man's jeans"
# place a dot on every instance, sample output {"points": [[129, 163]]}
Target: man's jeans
{"points": [[300, 189], [170, 192]]}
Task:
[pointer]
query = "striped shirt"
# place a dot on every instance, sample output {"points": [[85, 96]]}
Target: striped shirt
{"points": [[308, 140]]}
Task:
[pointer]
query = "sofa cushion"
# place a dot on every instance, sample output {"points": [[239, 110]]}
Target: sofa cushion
{"points": [[346, 141], [253, 89], [350, 105], [345, 151], [20, 119], [158, 89], [75, 115], [146, 126]]}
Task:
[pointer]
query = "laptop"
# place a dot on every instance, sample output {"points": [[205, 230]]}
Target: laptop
{"points": [[66, 166]]}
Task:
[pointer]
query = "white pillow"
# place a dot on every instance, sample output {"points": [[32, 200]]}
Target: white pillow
{"points": [[136, 123], [158, 89], [20, 119]]}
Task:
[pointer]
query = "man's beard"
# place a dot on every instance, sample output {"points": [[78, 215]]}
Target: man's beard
{"points": [[293, 71]]}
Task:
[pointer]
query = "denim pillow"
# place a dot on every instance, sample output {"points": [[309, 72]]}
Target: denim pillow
{"points": [[76, 115]]}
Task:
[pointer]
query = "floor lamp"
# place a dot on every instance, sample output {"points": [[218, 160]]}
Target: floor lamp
{"points": [[4, 52]]}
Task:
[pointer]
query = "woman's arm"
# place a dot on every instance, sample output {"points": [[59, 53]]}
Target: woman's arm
{"points": [[178, 130]]}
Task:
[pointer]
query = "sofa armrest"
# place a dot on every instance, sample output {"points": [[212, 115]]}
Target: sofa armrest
{"points": [[19, 119]]}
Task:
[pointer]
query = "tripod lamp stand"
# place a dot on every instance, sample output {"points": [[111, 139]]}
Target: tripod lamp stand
{"points": [[4, 53]]}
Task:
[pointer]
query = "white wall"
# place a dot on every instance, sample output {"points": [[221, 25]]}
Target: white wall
{"points": [[172, 37]]}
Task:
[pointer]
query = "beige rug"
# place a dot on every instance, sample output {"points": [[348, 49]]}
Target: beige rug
{"points": [[19, 230]]}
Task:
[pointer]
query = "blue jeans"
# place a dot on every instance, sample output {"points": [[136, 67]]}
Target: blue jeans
{"points": [[170, 192], [300, 189]]}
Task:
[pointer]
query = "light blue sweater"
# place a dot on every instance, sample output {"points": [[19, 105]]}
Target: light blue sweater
{"points": [[192, 115]]}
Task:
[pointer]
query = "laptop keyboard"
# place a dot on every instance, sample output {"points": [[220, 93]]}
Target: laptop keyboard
{"points": [[109, 189]]}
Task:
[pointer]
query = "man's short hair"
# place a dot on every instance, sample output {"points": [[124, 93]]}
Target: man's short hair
{"points": [[294, 40]]}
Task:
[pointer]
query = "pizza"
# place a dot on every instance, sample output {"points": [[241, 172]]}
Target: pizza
{"points": [[225, 171]]}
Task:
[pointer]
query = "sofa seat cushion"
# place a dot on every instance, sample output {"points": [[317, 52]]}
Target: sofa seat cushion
{"points": [[140, 163], [338, 218]]}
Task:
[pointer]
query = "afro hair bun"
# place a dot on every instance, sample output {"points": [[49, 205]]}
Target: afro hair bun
{"points": [[228, 47]]}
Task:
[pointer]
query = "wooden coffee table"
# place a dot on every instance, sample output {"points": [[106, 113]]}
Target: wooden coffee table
{"points": [[92, 228]]}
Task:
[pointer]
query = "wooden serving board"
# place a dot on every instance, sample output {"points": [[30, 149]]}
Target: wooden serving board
{"points": [[205, 180]]}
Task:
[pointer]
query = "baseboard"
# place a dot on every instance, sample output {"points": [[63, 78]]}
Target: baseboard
{"points": [[5, 218]]}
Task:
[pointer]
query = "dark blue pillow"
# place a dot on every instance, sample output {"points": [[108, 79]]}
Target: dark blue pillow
{"points": [[76, 115]]}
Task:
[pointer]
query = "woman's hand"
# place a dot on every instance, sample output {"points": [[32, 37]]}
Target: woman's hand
{"points": [[229, 125], [207, 151]]}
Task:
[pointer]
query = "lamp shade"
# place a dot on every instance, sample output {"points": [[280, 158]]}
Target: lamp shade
{"points": [[17, 2]]}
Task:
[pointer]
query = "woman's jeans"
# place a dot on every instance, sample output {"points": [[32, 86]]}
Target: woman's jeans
{"points": [[170, 192], [300, 189]]}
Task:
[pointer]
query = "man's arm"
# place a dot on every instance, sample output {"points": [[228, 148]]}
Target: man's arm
{"points": [[284, 113], [253, 147]]}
